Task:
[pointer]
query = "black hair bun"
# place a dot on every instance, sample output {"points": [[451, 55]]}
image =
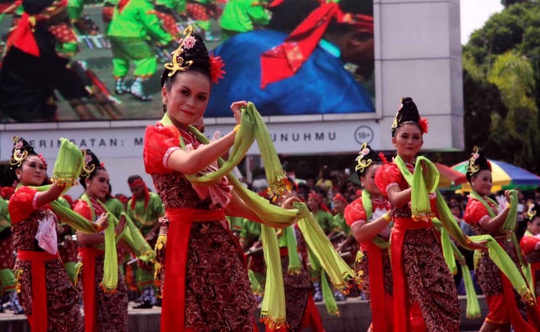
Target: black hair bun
{"points": [[408, 111], [198, 54]]}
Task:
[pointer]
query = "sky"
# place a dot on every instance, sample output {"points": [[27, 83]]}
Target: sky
{"points": [[474, 13]]}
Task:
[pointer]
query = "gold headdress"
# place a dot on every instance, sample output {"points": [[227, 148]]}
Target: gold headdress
{"points": [[477, 163], [88, 166], [531, 212], [18, 155], [473, 168], [395, 123], [177, 63], [363, 161]]}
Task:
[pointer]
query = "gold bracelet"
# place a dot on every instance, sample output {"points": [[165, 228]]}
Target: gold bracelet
{"points": [[509, 206], [468, 240], [237, 128], [387, 218], [98, 227]]}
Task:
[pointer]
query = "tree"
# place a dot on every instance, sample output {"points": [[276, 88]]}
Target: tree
{"points": [[507, 3], [506, 53]]}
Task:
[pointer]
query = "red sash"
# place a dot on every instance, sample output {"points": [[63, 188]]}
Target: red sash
{"points": [[381, 317], [89, 255], [173, 309], [39, 319], [516, 319], [401, 303]]}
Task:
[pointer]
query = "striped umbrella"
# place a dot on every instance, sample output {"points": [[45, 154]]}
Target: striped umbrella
{"points": [[505, 176], [449, 177]]}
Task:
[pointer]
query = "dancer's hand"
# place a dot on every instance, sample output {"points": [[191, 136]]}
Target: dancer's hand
{"points": [[288, 204], [236, 107], [102, 223]]}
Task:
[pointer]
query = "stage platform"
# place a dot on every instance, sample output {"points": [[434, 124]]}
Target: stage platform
{"points": [[355, 317]]}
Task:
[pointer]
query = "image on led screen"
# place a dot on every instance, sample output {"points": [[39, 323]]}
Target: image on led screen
{"points": [[73, 60]]}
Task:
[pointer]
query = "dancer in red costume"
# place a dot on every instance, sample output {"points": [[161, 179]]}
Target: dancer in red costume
{"points": [[369, 220], [47, 295], [506, 308], [203, 256], [103, 310], [421, 277]]}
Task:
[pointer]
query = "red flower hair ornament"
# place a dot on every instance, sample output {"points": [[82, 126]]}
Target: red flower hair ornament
{"points": [[424, 125], [216, 68]]}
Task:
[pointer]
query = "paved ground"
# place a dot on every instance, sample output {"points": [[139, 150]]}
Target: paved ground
{"points": [[148, 319], [8, 315]]}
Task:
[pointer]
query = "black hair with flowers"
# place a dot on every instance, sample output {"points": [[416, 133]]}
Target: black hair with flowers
{"points": [[20, 151], [478, 162], [91, 166], [367, 157], [192, 55]]}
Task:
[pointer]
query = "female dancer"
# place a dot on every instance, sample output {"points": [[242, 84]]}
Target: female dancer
{"points": [[421, 276], [486, 217], [47, 295], [205, 258], [369, 220], [7, 278], [103, 310], [530, 244]]}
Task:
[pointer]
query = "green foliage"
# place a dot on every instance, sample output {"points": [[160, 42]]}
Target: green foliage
{"points": [[505, 55], [508, 3], [514, 76]]}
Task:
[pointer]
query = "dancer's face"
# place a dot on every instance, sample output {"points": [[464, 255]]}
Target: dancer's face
{"points": [[32, 171], [98, 186], [187, 98], [368, 180], [408, 140], [534, 226], [482, 182]]}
